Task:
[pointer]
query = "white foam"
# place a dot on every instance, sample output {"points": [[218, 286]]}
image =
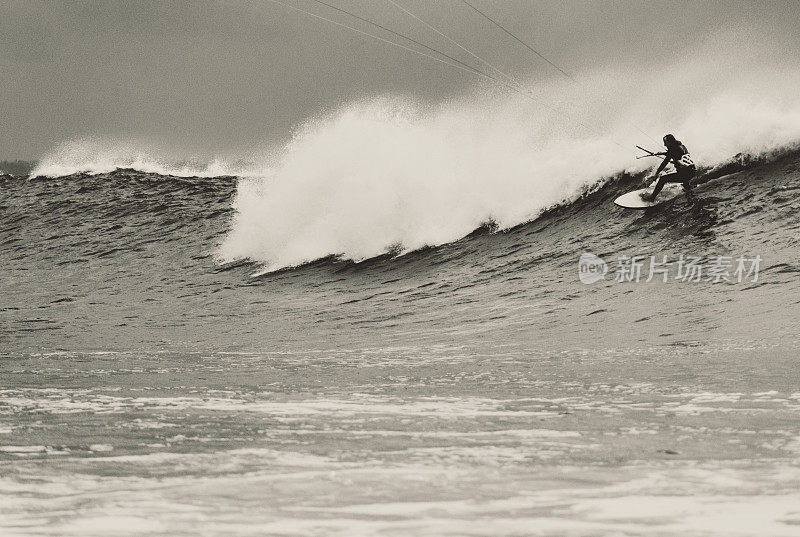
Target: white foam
{"points": [[416, 499], [23, 449]]}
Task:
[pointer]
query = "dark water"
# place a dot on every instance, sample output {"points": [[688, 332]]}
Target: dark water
{"points": [[475, 388]]}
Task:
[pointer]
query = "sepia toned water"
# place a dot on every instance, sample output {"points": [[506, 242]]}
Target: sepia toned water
{"points": [[474, 388]]}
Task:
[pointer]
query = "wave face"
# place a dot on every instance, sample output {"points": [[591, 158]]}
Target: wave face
{"points": [[129, 260]]}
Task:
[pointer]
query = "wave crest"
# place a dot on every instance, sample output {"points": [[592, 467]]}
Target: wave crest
{"points": [[97, 156]]}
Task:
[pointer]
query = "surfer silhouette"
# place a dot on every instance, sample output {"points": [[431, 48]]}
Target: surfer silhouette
{"points": [[685, 169]]}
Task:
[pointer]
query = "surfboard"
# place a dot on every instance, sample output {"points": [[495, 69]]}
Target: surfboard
{"points": [[633, 200]]}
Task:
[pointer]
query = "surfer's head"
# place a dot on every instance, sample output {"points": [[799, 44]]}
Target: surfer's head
{"points": [[669, 140]]}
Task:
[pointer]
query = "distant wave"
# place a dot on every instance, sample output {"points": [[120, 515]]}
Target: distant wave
{"points": [[96, 156]]}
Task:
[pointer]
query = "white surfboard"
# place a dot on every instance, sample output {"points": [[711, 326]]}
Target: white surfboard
{"points": [[633, 200]]}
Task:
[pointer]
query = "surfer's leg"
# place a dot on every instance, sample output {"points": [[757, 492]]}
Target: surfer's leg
{"points": [[660, 184], [687, 180], [687, 185]]}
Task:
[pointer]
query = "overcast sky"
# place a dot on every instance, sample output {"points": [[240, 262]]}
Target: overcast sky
{"points": [[216, 75]]}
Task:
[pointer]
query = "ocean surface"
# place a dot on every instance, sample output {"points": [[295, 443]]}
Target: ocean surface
{"points": [[151, 385]]}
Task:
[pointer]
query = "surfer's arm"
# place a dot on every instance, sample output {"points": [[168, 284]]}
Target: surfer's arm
{"points": [[648, 182], [661, 166]]}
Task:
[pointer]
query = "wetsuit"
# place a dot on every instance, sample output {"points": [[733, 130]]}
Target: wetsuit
{"points": [[685, 169]]}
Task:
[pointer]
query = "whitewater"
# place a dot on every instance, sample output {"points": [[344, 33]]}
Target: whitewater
{"points": [[420, 355]]}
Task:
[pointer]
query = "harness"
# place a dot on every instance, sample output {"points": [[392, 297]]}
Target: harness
{"points": [[682, 159]]}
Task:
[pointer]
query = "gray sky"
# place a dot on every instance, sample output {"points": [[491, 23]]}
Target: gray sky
{"points": [[216, 75]]}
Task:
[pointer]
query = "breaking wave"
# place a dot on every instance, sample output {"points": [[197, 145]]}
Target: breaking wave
{"points": [[393, 174]]}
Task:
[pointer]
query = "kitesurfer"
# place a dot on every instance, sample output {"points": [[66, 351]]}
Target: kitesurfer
{"points": [[685, 169]]}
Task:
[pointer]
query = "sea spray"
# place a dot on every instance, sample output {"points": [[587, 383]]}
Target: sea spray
{"points": [[383, 173]]}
